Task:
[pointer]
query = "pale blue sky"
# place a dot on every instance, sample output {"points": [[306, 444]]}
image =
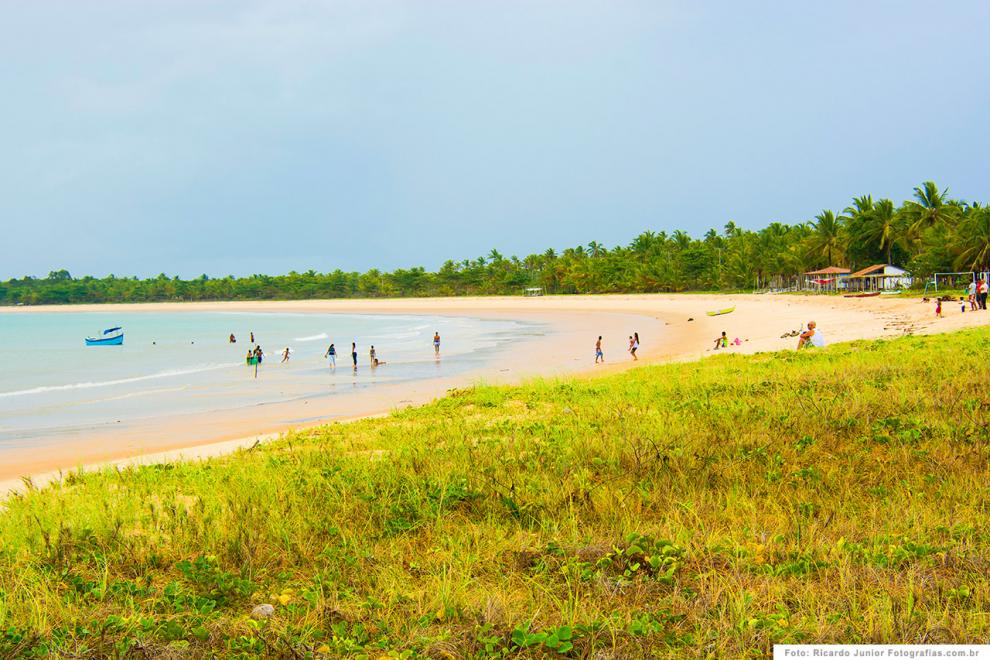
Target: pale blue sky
{"points": [[237, 137]]}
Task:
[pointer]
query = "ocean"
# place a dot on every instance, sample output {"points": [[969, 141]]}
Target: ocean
{"points": [[54, 388]]}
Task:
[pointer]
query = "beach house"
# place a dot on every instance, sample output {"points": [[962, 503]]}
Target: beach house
{"points": [[823, 280], [881, 277]]}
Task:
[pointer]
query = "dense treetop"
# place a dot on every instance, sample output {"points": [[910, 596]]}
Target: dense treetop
{"points": [[926, 234]]}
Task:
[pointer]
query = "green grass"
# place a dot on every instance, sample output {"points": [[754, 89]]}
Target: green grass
{"points": [[708, 508]]}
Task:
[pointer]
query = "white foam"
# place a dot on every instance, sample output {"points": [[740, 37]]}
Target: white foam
{"points": [[170, 373], [318, 337]]}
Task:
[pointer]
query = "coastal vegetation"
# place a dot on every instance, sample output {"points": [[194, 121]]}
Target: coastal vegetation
{"points": [[926, 234], [710, 508]]}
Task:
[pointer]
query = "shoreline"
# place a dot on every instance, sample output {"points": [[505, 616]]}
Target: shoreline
{"points": [[685, 333]]}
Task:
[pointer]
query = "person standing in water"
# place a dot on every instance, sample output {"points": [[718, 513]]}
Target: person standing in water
{"points": [[436, 343], [598, 350], [285, 354], [233, 339], [371, 354], [252, 337], [354, 354], [332, 354]]}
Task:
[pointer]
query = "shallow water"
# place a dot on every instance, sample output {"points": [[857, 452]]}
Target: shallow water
{"points": [[52, 386]]}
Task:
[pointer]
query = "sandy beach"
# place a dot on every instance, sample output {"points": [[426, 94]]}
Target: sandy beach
{"points": [[671, 328]]}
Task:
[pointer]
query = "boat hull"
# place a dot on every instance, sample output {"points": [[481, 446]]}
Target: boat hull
{"points": [[719, 312], [109, 341]]}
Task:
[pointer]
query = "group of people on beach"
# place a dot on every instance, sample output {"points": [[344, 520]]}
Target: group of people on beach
{"points": [[254, 356], [257, 355], [633, 347], [978, 294], [977, 298]]}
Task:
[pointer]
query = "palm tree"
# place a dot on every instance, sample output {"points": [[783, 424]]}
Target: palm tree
{"points": [[883, 226], [596, 249], [973, 237], [930, 208], [682, 239], [826, 238], [861, 206]]}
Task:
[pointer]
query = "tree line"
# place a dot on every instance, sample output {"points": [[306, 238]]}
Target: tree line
{"points": [[928, 233]]}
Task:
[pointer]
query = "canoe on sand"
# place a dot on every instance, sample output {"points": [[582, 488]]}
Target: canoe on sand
{"points": [[719, 312]]}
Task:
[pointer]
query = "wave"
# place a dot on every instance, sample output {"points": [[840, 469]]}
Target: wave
{"points": [[318, 337], [170, 373]]}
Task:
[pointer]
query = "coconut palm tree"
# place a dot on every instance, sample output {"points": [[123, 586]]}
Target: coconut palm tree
{"points": [[596, 249], [855, 220], [826, 237], [973, 237], [883, 226], [861, 206], [930, 208]]}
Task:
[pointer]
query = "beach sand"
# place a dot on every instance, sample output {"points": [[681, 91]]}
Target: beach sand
{"points": [[671, 328]]}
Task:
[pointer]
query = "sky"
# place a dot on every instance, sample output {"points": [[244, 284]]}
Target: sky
{"points": [[240, 137]]}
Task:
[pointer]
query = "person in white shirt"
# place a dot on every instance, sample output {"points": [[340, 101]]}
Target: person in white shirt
{"points": [[811, 337]]}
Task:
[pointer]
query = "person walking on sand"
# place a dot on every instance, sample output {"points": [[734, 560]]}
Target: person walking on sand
{"points": [[634, 345], [436, 343], [598, 350], [332, 354], [938, 308], [354, 354], [285, 354], [972, 296], [371, 354]]}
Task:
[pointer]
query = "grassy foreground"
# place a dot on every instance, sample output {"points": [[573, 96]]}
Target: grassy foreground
{"points": [[708, 508]]}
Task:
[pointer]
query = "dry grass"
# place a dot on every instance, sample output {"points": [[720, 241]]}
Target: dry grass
{"points": [[710, 508]]}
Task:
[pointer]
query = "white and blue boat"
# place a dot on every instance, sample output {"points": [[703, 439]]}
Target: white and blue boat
{"points": [[110, 337]]}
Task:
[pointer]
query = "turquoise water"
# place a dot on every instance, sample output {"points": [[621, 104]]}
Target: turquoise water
{"points": [[53, 387]]}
